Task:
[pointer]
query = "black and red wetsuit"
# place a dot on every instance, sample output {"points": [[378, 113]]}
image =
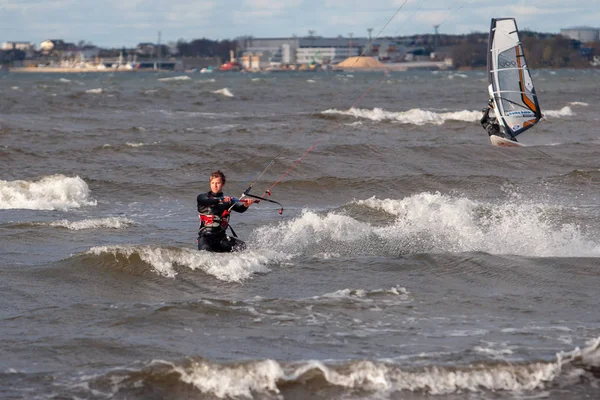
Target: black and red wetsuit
{"points": [[214, 220]]}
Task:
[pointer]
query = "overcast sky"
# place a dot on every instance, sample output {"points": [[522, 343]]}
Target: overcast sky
{"points": [[117, 23]]}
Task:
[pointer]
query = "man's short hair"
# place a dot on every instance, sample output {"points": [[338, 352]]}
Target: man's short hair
{"points": [[217, 174]]}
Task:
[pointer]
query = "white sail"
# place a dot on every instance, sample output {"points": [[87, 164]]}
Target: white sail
{"points": [[511, 86]]}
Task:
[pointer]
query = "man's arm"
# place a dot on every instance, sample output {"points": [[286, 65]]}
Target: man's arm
{"points": [[484, 118], [205, 201], [240, 207]]}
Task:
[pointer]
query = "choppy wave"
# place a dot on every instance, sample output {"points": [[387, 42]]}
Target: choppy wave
{"points": [[431, 222], [110, 222], [563, 112], [452, 76], [175, 78], [141, 144], [419, 116], [95, 91], [588, 176], [225, 92], [415, 116], [55, 192], [233, 267], [349, 379], [366, 295], [566, 111]]}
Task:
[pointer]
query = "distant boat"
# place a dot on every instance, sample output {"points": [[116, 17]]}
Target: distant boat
{"points": [[206, 70], [230, 66], [510, 85]]}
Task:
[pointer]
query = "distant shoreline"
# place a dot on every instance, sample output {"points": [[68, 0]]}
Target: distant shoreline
{"points": [[66, 69]]}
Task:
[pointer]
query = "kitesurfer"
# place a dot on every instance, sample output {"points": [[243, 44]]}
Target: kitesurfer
{"points": [[214, 209]]}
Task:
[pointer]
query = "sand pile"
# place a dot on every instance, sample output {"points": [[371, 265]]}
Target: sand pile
{"points": [[360, 63]]}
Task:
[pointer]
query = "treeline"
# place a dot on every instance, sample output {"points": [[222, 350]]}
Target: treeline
{"points": [[8, 56], [206, 48], [541, 50]]}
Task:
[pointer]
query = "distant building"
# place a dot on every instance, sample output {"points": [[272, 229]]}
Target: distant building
{"points": [[276, 52], [89, 51], [584, 34], [145, 49], [23, 46], [52, 45]]}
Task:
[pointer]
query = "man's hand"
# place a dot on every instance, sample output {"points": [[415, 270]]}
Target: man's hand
{"points": [[247, 202]]}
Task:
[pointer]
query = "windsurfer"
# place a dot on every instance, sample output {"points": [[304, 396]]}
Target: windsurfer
{"points": [[213, 209], [490, 124]]}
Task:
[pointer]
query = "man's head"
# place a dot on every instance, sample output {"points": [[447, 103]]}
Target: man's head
{"points": [[217, 181]]}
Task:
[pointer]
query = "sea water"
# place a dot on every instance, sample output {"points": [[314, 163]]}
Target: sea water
{"points": [[412, 260]]}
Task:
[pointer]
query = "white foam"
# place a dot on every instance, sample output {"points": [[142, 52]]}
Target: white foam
{"points": [[247, 379], [563, 112], [175, 78], [110, 222], [588, 356], [579, 103], [309, 229], [459, 224], [135, 144], [55, 192], [452, 76], [239, 381], [362, 294], [224, 92], [381, 378], [95, 91], [493, 352], [432, 222], [64, 80], [415, 116], [230, 267]]}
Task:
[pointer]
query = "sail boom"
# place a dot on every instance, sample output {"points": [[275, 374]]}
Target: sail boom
{"points": [[508, 69], [511, 91]]}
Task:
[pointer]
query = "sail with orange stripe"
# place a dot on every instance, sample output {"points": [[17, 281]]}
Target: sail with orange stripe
{"points": [[511, 87]]}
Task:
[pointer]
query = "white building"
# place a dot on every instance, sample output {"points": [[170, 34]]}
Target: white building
{"points": [[584, 34], [276, 52], [24, 46], [324, 55]]}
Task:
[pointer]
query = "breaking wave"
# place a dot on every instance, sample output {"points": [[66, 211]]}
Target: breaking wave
{"points": [[225, 92], [175, 78], [430, 222], [415, 116], [110, 222], [349, 379], [55, 192], [232, 267]]}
